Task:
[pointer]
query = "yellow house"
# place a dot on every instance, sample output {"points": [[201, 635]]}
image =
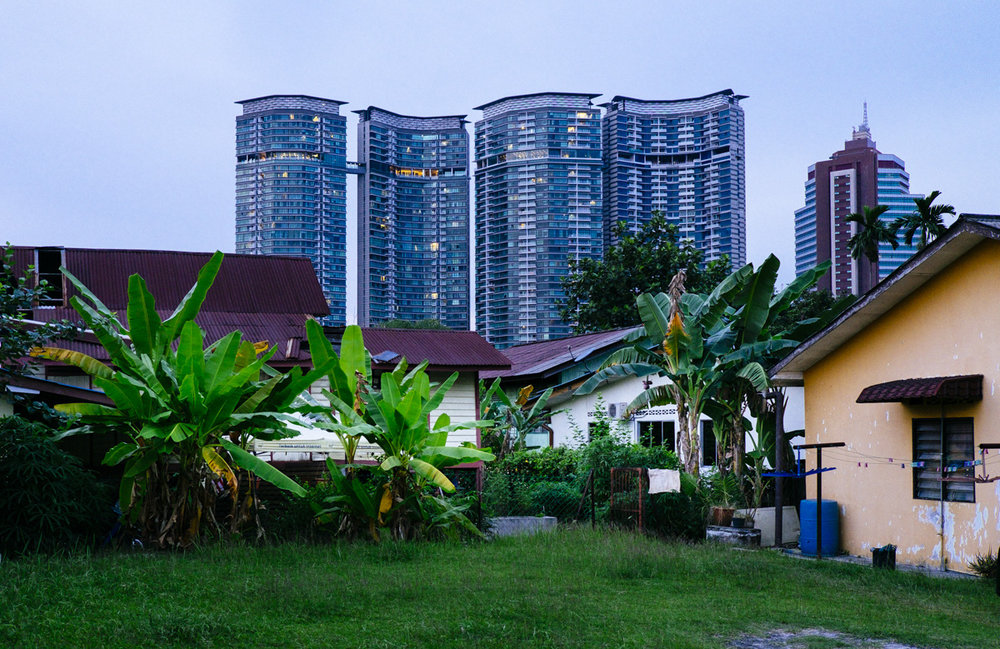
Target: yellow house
{"points": [[907, 375]]}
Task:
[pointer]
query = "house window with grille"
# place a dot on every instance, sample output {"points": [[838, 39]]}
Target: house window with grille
{"points": [[657, 433], [47, 263], [930, 456]]}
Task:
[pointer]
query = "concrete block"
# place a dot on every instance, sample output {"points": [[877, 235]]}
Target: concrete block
{"points": [[763, 519], [512, 525]]}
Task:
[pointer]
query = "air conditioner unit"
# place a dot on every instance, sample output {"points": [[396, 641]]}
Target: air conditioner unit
{"points": [[617, 410]]}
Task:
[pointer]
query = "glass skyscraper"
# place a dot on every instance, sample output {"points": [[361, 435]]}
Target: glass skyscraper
{"points": [[291, 181], [684, 158], [413, 218], [853, 178], [538, 204]]}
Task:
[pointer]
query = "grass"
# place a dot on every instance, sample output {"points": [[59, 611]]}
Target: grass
{"points": [[575, 588]]}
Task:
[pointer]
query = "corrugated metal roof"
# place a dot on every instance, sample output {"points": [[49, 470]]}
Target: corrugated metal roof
{"points": [[443, 349], [245, 283], [266, 298], [936, 389], [910, 277], [284, 330], [539, 358]]}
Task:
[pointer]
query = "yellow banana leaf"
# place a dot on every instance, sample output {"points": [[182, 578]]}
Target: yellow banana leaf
{"points": [[88, 364], [220, 467]]}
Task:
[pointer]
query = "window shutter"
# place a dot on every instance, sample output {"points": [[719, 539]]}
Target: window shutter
{"points": [[927, 449], [958, 449]]}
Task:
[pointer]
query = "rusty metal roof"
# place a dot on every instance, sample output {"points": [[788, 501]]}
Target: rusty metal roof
{"points": [[445, 350], [936, 389], [266, 298], [542, 357], [245, 283]]}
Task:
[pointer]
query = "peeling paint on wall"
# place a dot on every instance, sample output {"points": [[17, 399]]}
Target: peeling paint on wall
{"points": [[979, 522], [877, 501], [996, 510]]}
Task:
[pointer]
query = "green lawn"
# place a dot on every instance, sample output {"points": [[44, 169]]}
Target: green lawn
{"points": [[576, 588]]}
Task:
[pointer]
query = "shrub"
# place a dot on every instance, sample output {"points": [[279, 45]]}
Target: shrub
{"points": [[506, 494], [986, 565], [546, 462], [722, 490], [48, 500], [606, 453], [676, 515], [558, 499], [287, 517]]}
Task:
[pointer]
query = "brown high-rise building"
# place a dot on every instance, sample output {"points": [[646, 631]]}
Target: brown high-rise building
{"points": [[855, 177]]}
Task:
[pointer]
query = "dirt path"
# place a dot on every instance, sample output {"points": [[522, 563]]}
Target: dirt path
{"points": [[812, 639]]}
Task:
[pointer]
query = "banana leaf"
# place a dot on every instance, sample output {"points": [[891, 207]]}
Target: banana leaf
{"points": [[88, 364], [262, 469]]}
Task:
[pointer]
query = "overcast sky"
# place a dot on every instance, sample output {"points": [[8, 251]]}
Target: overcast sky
{"points": [[117, 119]]}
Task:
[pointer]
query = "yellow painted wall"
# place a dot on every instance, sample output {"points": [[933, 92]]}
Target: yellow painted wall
{"points": [[950, 326]]}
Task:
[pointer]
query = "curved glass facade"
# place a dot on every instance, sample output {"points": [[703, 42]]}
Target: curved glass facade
{"points": [[538, 204], [413, 218], [291, 186], [684, 158]]}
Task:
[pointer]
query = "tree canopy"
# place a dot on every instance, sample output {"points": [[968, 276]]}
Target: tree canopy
{"points": [[814, 304], [18, 296], [873, 231], [927, 218], [426, 323], [601, 295]]}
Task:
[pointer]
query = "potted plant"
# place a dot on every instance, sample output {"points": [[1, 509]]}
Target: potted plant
{"points": [[723, 497]]}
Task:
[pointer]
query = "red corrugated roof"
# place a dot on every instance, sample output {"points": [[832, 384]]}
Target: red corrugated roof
{"points": [[245, 283], [444, 349], [538, 358], [938, 389], [266, 298]]}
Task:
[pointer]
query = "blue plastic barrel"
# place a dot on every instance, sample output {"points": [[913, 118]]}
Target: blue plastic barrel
{"points": [[831, 527]]}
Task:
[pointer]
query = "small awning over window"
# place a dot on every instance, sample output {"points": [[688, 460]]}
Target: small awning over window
{"points": [[935, 389]]}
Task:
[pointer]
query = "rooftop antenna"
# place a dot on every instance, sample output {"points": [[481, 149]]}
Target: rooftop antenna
{"points": [[863, 132]]}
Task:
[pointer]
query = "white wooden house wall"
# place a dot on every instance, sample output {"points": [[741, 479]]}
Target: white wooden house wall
{"points": [[581, 410], [459, 403]]}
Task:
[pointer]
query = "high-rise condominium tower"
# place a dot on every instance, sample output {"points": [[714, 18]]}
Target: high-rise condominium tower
{"points": [[853, 178], [684, 158], [538, 204], [291, 181], [413, 218]]}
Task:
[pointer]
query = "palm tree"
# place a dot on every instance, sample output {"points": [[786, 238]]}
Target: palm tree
{"points": [[873, 232], [927, 218]]}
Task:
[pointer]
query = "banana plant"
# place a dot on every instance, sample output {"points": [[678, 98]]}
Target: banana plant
{"points": [[714, 349], [187, 411], [395, 416], [761, 337], [513, 419], [689, 339]]}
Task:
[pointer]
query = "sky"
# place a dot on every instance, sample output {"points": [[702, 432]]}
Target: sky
{"points": [[117, 119]]}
